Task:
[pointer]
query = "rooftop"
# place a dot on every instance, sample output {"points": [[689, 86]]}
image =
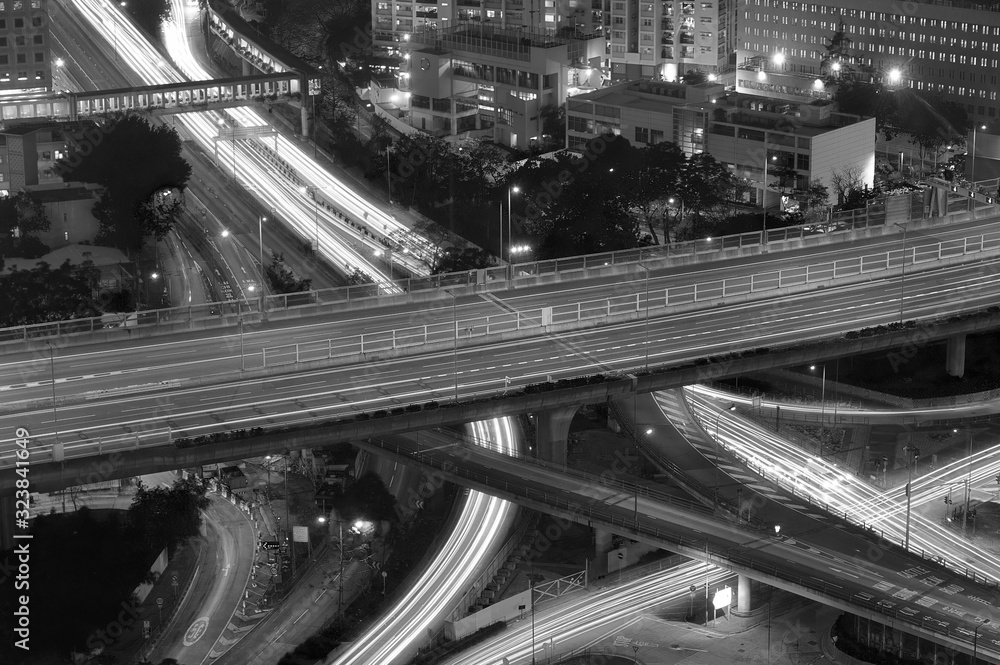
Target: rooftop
{"points": [[514, 43]]}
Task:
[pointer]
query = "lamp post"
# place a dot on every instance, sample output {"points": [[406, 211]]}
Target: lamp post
{"points": [[309, 189], [680, 220], [52, 374], [510, 190], [718, 416], [913, 454], [972, 166], [975, 640], [454, 317], [822, 408], [288, 521], [902, 273], [968, 490], [646, 345], [763, 198], [260, 245]]}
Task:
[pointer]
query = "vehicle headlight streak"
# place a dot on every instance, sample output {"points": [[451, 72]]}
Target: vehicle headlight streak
{"points": [[296, 209], [484, 522], [844, 493], [588, 612]]}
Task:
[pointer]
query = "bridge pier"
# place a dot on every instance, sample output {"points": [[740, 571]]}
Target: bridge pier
{"points": [[304, 115], [248, 69], [551, 432], [955, 358], [743, 595]]}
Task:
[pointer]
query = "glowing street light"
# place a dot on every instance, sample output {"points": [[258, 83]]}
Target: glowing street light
{"points": [[895, 76]]}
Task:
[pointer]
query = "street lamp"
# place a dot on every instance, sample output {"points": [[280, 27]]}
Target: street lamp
{"points": [[309, 189], [510, 190], [968, 489], [260, 244], [975, 640], [902, 273], [913, 454], [52, 373], [718, 416], [822, 408], [646, 345], [454, 317], [680, 220], [779, 60], [972, 168], [895, 76]]}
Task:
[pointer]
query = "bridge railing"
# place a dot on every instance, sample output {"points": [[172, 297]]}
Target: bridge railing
{"points": [[653, 303], [596, 511], [213, 313], [50, 450]]}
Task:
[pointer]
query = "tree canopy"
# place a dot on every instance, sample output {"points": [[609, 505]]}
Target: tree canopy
{"points": [[367, 499], [45, 294], [21, 217], [141, 167], [166, 517], [148, 14]]}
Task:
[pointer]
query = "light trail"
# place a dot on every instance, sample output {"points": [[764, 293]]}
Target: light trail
{"points": [[844, 493], [583, 613], [485, 520], [258, 176]]}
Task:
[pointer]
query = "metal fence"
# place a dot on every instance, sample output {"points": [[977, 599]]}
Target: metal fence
{"points": [[213, 314]]}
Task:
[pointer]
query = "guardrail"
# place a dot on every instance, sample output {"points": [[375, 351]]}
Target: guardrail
{"points": [[83, 446], [845, 222], [652, 302], [597, 512]]}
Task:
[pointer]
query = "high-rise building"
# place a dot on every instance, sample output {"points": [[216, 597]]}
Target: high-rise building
{"points": [[24, 46], [394, 20], [665, 39], [951, 48], [477, 80]]}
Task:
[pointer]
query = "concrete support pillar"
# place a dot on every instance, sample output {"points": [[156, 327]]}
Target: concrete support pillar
{"points": [[248, 69], [955, 360], [304, 115], [551, 430], [602, 545], [743, 593]]}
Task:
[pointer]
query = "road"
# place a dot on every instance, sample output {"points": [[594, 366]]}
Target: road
{"points": [[420, 377], [814, 554]]}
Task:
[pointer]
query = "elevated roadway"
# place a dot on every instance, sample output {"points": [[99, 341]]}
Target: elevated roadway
{"points": [[811, 555], [195, 386]]}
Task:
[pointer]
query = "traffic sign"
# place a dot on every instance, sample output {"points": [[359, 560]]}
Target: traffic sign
{"points": [[159, 602]]}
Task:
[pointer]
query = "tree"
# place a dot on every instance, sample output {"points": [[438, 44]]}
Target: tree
{"points": [[166, 517], [704, 184], [43, 294], [148, 14], [654, 183], [554, 123], [869, 100], [21, 217], [282, 279], [367, 499], [692, 77], [137, 163], [457, 260], [845, 181]]}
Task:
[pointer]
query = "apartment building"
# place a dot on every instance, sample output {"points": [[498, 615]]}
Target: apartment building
{"points": [[952, 47], [758, 138], [478, 80], [394, 20], [24, 46], [664, 39]]}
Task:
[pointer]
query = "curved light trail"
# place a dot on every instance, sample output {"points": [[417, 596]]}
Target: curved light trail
{"points": [[484, 522], [585, 613], [259, 177], [844, 493]]}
